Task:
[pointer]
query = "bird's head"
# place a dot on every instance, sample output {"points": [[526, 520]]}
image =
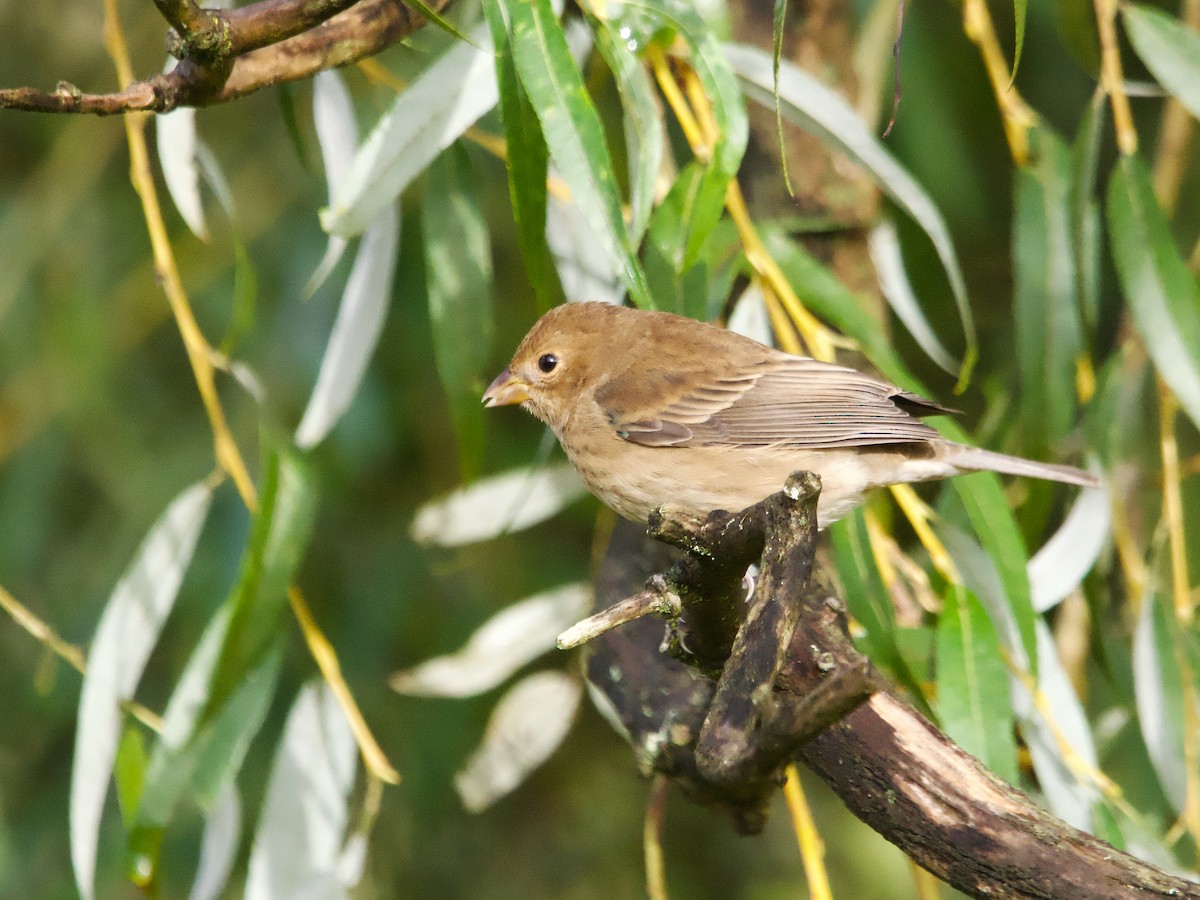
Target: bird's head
{"points": [[568, 349]]}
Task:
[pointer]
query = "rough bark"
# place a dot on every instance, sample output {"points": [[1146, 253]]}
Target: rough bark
{"points": [[795, 687]]}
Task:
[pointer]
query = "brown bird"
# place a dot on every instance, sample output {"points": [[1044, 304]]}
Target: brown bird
{"points": [[654, 408]]}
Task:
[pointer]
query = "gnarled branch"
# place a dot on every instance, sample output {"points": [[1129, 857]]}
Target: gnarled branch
{"points": [[823, 704]]}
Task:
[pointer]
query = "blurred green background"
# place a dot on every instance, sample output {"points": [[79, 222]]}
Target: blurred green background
{"points": [[100, 426]]}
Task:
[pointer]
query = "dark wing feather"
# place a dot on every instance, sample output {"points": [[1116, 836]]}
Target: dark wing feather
{"points": [[782, 400]]}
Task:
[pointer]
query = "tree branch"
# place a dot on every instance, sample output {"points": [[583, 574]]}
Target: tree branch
{"points": [[227, 54], [823, 705]]}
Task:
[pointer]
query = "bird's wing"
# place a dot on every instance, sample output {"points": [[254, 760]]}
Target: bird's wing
{"points": [[782, 400]]}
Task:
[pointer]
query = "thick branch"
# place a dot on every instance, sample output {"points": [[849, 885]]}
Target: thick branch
{"points": [[294, 39], [893, 768], [271, 21]]}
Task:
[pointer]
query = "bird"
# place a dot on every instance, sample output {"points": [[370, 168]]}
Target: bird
{"points": [[655, 409]]}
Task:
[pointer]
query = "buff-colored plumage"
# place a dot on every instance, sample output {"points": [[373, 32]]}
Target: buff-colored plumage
{"points": [[653, 408]]}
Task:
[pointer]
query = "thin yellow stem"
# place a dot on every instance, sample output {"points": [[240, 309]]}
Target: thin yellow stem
{"points": [[652, 830], [1185, 609], [199, 351], [812, 848], [42, 632], [1112, 76], [323, 653], [1015, 114], [73, 656], [925, 883], [688, 123], [201, 355], [817, 338], [1172, 501], [920, 515], [1077, 765], [785, 330], [696, 120]]}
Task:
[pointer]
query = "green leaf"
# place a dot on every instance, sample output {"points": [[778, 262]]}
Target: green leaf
{"points": [[679, 285], [814, 107], [277, 544], [527, 165], [1157, 683], [1075, 23], [1045, 292], [1052, 723], [573, 131], [131, 772], [1020, 7], [709, 61], [868, 599], [973, 696], [778, 21], [225, 691], [441, 22], [1122, 419], [992, 521], [1163, 297], [645, 134], [1085, 212], [458, 283], [200, 755], [1170, 50]]}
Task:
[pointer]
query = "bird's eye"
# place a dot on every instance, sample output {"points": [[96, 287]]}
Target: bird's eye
{"points": [[547, 362]]}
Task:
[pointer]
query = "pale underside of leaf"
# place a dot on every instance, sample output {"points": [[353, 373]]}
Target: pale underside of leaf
{"points": [[175, 139], [1068, 793], [301, 834], [337, 136], [883, 243], [127, 633], [498, 505], [1158, 717], [219, 846], [586, 270], [749, 316], [435, 110], [499, 647], [1060, 566], [356, 330], [525, 728]]}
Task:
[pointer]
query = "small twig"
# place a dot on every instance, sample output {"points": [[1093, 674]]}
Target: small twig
{"points": [[658, 597], [73, 656]]}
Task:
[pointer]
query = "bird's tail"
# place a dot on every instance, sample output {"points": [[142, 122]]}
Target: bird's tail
{"points": [[974, 459]]}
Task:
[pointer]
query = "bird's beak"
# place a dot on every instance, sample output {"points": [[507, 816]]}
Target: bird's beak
{"points": [[506, 390]]}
